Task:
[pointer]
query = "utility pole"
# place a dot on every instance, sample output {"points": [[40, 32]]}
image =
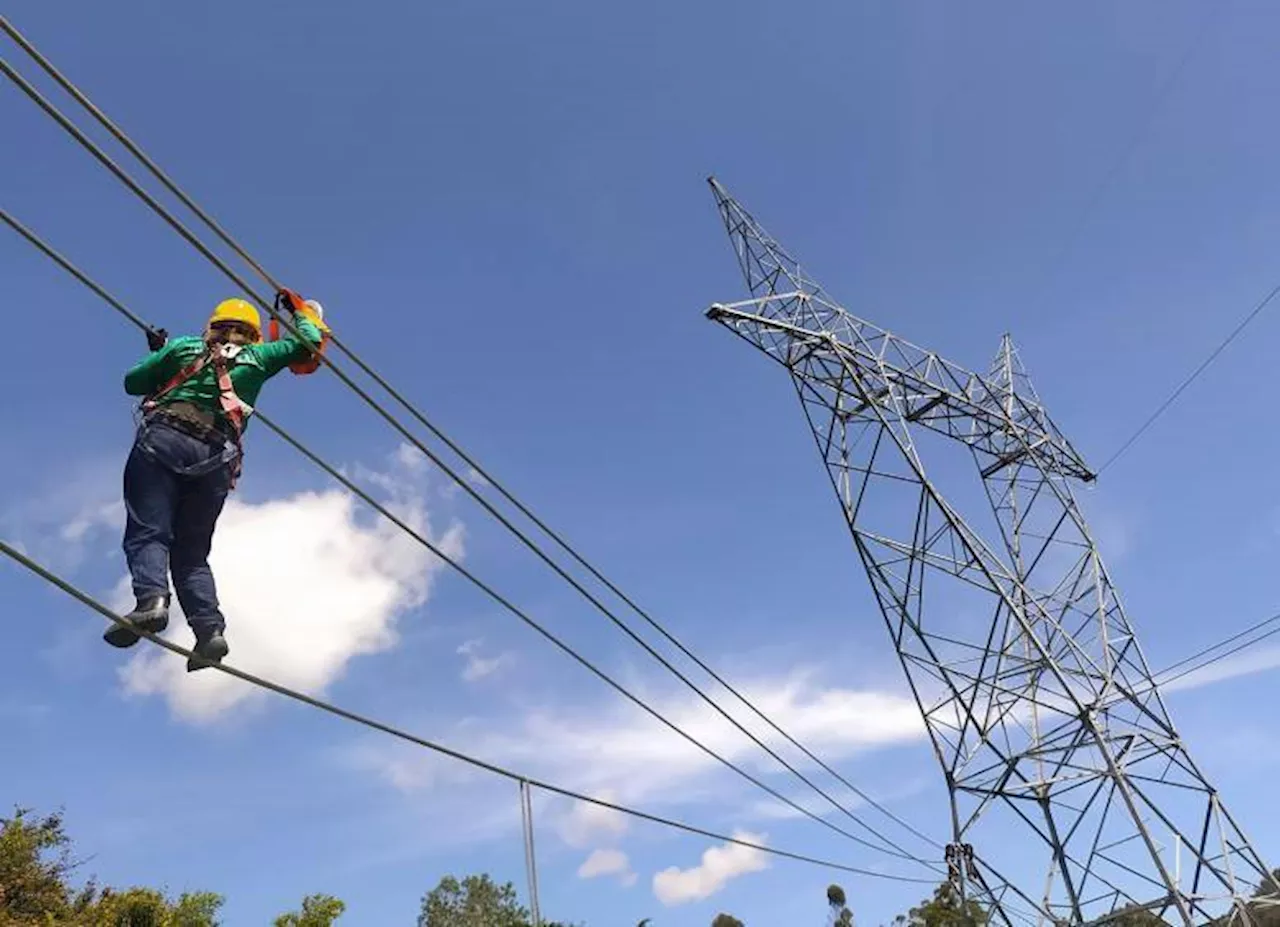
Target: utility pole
{"points": [[530, 860], [1039, 703]]}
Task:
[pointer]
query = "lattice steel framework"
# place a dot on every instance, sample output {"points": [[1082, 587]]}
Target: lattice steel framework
{"points": [[1037, 698]]}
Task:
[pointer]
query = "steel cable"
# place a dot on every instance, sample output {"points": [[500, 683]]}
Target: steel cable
{"points": [[1191, 378], [1222, 643], [330, 708], [132, 184], [497, 597], [1220, 657]]}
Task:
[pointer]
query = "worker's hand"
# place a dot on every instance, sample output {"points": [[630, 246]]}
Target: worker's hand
{"points": [[156, 338], [284, 302]]}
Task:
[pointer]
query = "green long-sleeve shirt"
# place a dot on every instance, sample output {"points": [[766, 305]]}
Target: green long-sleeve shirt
{"points": [[250, 369]]}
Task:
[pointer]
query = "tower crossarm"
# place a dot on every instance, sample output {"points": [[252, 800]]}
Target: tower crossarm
{"points": [[858, 362]]}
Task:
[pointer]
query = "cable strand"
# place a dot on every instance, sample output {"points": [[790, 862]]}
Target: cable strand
{"points": [[1163, 92], [1195, 374], [136, 188], [1222, 643], [1219, 658], [416, 413], [122, 137], [372, 723], [463, 571]]}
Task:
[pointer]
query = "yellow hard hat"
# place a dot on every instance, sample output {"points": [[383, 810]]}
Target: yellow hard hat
{"points": [[238, 310]]}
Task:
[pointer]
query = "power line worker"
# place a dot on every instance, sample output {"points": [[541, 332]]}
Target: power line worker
{"points": [[186, 458]]}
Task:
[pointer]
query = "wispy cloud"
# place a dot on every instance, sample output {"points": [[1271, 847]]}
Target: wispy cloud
{"points": [[478, 666], [406, 771], [1245, 663], [585, 823], [620, 749], [608, 862], [772, 809], [23, 711], [616, 753], [92, 516], [719, 866], [62, 522]]}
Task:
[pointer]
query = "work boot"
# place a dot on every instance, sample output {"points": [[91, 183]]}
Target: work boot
{"points": [[210, 648], [150, 615]]}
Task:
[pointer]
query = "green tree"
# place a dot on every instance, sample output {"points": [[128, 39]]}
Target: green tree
{"points": [[146, 907], [135, 907], [197, 909], [35, 886], [1266, 915], [841, 916], [1134, 916], [476, 901], [35, 865], [726, 920], [944, 910], [317, 911]]}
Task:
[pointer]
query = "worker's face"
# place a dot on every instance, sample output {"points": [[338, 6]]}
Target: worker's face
{"points": [[235, 332]]}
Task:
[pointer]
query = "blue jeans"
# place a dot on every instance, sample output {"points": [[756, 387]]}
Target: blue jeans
{"points": [[174, 489]]}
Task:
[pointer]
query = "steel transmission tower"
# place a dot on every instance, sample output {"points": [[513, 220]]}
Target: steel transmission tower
{"points": [[1038, 701]]}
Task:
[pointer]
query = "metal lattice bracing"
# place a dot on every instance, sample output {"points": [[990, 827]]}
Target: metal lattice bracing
{"points": [[1039, 703]]}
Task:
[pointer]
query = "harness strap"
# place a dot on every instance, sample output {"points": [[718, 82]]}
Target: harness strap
{"points": [[233, 407], [182, 376]]}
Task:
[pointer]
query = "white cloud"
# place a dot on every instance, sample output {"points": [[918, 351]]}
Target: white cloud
{"points": [[607, 862], [720, 865], [621, 749], [478, 667], [14, 709], [408, 770], [587, 823], [811, 802], [66, 514], [411, 458], [612, 751], [903, 789], [91, 517], [307, 583]]}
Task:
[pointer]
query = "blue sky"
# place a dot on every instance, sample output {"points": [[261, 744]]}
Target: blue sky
{"points": [[504, 209]]}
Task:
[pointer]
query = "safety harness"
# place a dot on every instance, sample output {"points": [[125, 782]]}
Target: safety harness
{"points": [[234, 409]]}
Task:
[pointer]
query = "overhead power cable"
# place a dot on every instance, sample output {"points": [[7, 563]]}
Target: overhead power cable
{"points": [[421, 418], [1163, 680], [1222, 643], [458, 567], [1161, 96], [1191, 378], [1213, 17], [128, 143], [263, 683]]}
